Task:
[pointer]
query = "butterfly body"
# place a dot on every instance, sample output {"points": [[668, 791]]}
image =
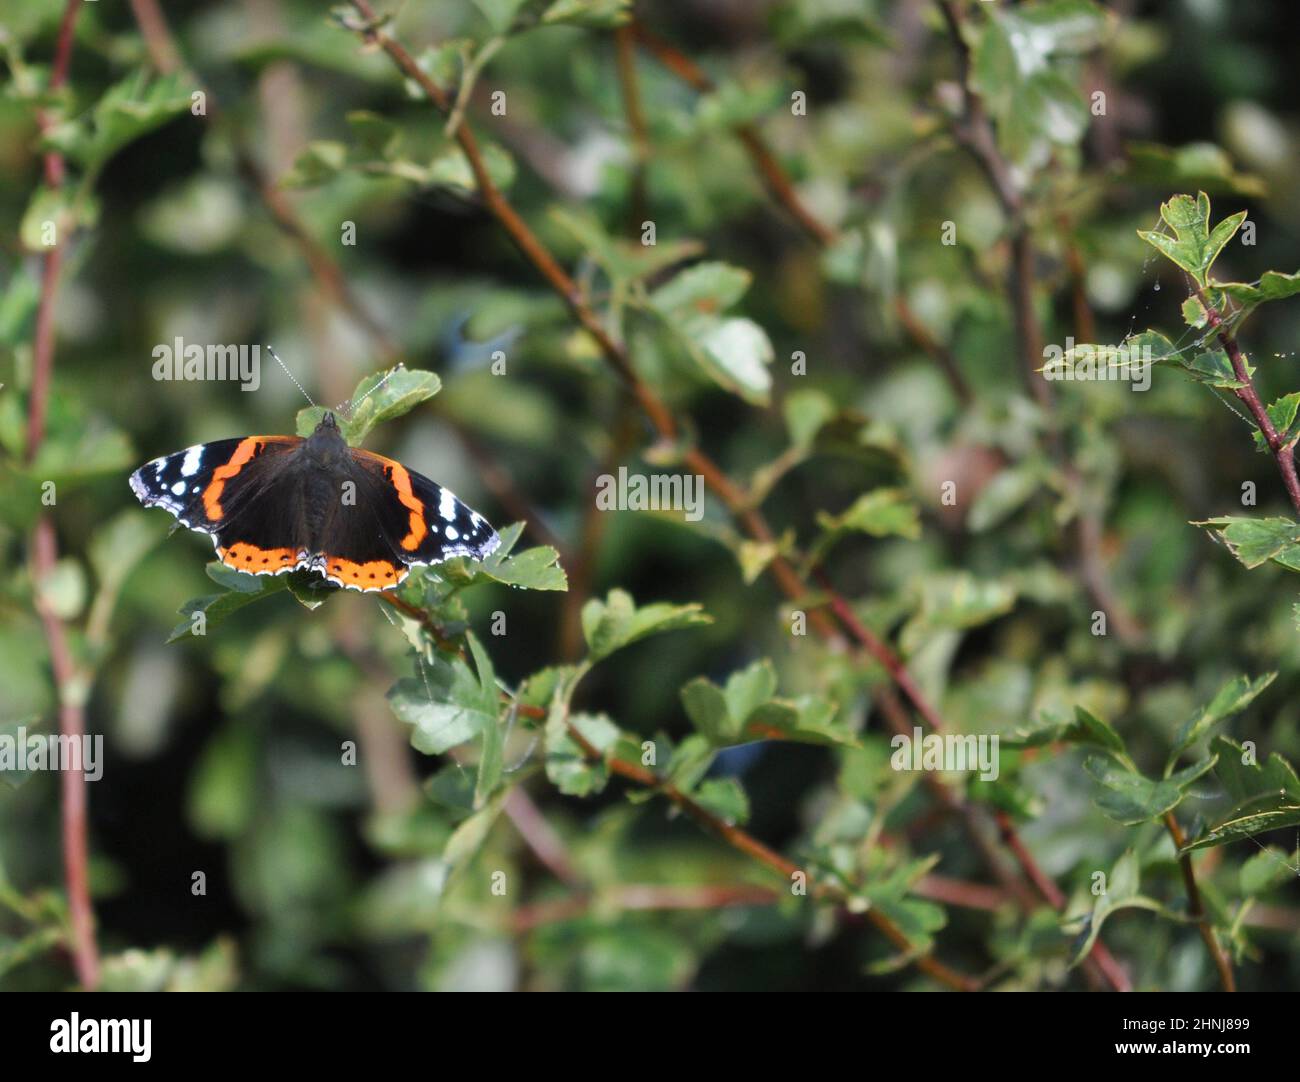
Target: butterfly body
{"points": [[274, 504]]}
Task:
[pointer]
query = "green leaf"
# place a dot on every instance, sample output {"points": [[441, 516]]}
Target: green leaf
{"points": [[568, 766], [241, 590], [746, 710], [1283, 415], [616, 622], [883, 512], [319, 161], [1215, 369], [1272, 286], [491, 761], [1003, 496], [736, 353], [725, 798], [1264, 797], [960, 600], [1231, 698], [706, 706], [1082, 728], [533, 569], [468, 838], [1130, 798], [1267, 870], [446, 707], [378, 398], [126, 111], [1254, 540], [1191, 165], [499, 13], [601, 14], [806, 412], [708, 288], [1194, 246], [451, 168], [1121, 893], [1194, 314]]}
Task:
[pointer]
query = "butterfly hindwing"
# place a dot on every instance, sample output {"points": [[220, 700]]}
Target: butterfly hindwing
{"points": [[423, 522]]}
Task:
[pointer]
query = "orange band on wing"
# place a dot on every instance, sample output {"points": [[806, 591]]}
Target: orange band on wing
{"points": [[245, 557], [212, 494], [374, 575], [416, 526]]}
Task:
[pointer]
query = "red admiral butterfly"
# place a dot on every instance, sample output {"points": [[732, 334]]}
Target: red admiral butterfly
{"points": [[281, 503]]}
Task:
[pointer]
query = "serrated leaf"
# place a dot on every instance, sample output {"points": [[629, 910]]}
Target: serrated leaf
{"points": [[1254, 540], [446, 707], [1082, 728], [1130, 798], [533, 569], [617, 622], [381, 397], [1264, 797], [1194, 246], [883, 512], [1231, 698], [746, 709], [1283, 415], [1214, 368]]}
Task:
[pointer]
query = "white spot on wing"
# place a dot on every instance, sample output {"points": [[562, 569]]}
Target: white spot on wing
{"points": [[178, 489], [447, 505], [451, 533], [193, 457]]}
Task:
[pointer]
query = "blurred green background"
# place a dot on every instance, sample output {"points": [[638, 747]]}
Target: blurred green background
{"points": [[224, 752]]}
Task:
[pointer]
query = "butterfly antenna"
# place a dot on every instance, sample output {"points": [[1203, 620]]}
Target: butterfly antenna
{"points": [[289, 374], [346, 408]]}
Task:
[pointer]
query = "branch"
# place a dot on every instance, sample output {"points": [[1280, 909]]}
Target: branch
{"points": [[774, 176], [787, 869], [69, 682], [1206, 926], [1283, 453]]}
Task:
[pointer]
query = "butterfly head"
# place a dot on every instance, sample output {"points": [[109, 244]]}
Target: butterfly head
{"points": [[326, 443]]}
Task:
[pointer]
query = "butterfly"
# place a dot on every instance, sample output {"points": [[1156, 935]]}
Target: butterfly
{"points": [[274, 504]]}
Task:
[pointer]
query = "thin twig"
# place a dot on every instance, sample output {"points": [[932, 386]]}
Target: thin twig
{"points": [[625, 54], [69, 682], [786, 868], [1283, 453], [1221, 961]]}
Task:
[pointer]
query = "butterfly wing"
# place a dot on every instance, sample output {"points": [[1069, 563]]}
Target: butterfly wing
{"points": [[229, 489], [423, 522]]}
